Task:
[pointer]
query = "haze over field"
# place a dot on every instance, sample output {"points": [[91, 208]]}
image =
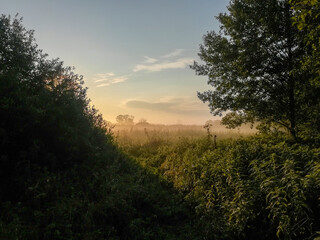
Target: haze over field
{"points": [[134, 55]]}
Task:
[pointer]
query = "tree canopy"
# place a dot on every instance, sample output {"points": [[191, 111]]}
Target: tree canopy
{"points": [[125, 119], [45, 116], [307, 18], [254, 65]]}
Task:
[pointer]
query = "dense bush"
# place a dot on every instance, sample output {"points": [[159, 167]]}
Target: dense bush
{"points": [[45, 118], [261, 187], [114, 199]]}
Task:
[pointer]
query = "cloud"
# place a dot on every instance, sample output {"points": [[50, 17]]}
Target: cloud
{"points": [[169, 104], [175, 53], [168, 61], [149, 64], [100, 77], [149, 60], [107, 79], [175, 64]]}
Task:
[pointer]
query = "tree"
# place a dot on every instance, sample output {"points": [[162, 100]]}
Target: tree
{"points": [[254, 66], [306, 18], [125, 119], [45, 118], [142, 122]]}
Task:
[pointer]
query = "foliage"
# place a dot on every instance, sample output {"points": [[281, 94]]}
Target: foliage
{"points": [[125, 119], [46, 120], [254, 67], [306, 18], [259, 187], [61, 176], [111, 199]]}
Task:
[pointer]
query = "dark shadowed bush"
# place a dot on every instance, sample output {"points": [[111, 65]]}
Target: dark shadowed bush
{"points": [[61, 175]]}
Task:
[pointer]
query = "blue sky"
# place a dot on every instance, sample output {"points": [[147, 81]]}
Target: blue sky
{"points": [[134, 54]]}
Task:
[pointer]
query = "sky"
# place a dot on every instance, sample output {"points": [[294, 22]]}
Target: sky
{"points": [[134, 55]]}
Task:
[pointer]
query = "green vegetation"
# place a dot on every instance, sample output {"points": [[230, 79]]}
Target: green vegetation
{"points": [[61, 175], [306, 18], [258, 187], [263, 67], [255, 66], [67, 174]]}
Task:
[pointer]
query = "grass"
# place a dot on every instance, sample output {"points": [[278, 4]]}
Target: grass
{"points": [[244, 187], [128, 136]]}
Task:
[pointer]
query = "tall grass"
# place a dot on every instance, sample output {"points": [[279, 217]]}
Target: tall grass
{"points": [[128, 136], [244, 187]]}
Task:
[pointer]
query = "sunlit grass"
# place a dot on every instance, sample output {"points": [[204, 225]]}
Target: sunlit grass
{"points": [[139, 135]]}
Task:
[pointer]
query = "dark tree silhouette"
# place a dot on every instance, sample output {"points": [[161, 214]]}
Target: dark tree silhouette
{"points": [[125, 119], [45, 117]]}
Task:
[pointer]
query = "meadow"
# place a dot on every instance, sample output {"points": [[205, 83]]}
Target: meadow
{"points": [[140, 134], [246, 185]]}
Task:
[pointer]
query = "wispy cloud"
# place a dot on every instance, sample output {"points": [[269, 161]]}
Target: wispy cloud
{"points": [[175, 53], [156, 67], [149, 64], [168, 61], [100, 77], [149, 60], [107, 79]]}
